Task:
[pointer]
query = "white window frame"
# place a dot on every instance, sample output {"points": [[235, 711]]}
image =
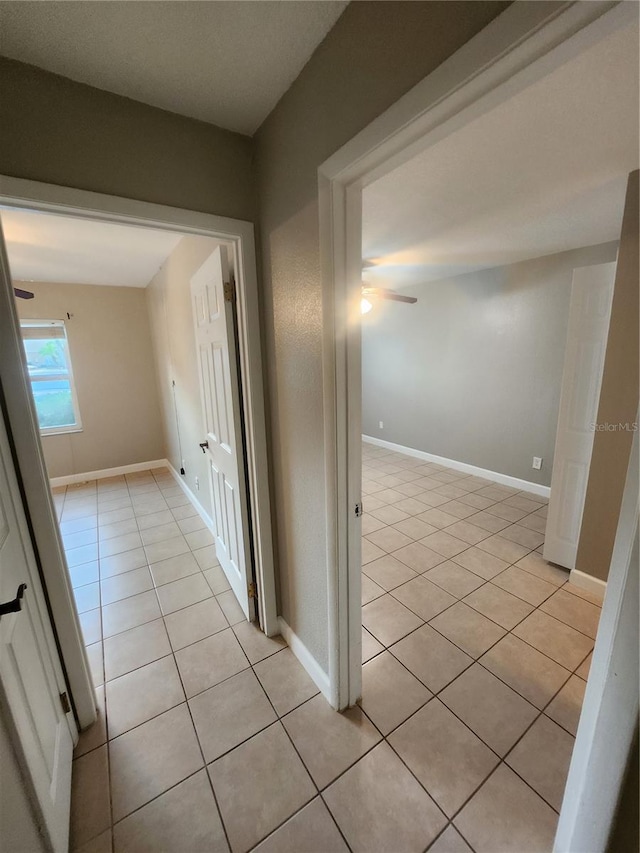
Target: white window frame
{"points": [[70, 428]]}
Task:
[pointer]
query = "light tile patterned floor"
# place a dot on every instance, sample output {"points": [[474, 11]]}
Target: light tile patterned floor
{"points": [[475, 650], [212, 736]]}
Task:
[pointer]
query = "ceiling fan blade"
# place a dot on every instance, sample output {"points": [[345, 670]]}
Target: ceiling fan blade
{"points": [[23, 294], [385, 293], [398, 297]]}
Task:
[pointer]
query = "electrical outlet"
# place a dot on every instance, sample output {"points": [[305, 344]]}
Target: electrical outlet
{"points": [[380, 424], [537, 463], [197, 484]]}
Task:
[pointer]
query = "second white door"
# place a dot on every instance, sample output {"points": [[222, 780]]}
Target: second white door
{"points": [[591, 295], [213, 310]]}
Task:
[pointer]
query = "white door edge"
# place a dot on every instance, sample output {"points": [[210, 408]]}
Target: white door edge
{"points": [[212, 297], [587, 333], [610, 708]]}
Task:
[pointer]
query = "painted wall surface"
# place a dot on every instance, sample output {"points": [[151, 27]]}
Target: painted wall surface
{"points": [[374, 54], [171, 317], [473, 370], [113, 367], [61, 132], [618, 404], [625, 832], [18, 826]]}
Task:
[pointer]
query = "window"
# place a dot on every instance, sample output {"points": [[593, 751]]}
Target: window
{"points": [[49, 366]]}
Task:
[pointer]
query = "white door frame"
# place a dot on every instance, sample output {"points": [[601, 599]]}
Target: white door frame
{"points": [[518, 48], [610, 708], [32, 195]]}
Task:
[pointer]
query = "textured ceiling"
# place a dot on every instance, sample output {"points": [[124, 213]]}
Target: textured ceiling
{"points": [[227, 63], [44, 247], [544, 172]]}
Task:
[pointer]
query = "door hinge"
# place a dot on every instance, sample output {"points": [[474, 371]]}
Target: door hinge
{"points": [[229, 288], [359, 510], [252, 590], [64, 701]]}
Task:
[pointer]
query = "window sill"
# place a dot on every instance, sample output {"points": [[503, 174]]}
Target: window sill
{"points": [[60, 431]]}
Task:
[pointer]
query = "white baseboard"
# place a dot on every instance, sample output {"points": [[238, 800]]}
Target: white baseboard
{"points": [[495, 476], [587, 582], [305, 657], [74, 479], [204, 515]]}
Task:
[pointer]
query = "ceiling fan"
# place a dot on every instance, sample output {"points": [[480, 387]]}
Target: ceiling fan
{"points": [[372, 293], [381, 293], [23, 294]]}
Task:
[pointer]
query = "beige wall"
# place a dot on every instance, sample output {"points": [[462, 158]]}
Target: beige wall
{"points": [[170, 312], [110, 345], [61, 132], [618, 404], [372, 56]]}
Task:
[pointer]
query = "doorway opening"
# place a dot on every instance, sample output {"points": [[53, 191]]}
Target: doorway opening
{"points": [[121, 391], [405, 209], [108, 330], [128, 385]]}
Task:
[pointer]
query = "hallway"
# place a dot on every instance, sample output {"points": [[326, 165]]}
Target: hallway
{"points": [[181, 679], [212, 736]]}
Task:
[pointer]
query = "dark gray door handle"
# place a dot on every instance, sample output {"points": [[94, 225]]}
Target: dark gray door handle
{"points": [[204, 445], [15, 605]]}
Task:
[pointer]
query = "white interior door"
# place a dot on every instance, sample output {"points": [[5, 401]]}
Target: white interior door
{"points": [[213, 309], [591, 296], [31, 680]]}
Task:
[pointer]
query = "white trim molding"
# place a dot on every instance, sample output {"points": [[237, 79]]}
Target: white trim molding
{"points": [[103, 473], [465, 467], [587, 582], [204, 515], [308, 661]]}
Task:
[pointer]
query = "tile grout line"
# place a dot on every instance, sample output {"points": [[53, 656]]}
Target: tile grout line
{"points": [[540, 712], [477, 659], [187, 701], [279, 718], [461, 601]]}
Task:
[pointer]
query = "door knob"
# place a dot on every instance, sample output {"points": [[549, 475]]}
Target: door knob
{"points": [[15, 605], [204, 445]]}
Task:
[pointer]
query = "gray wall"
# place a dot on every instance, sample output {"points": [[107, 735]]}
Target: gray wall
{"points": [[372, 56], [473, 370], [61, 132]]}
